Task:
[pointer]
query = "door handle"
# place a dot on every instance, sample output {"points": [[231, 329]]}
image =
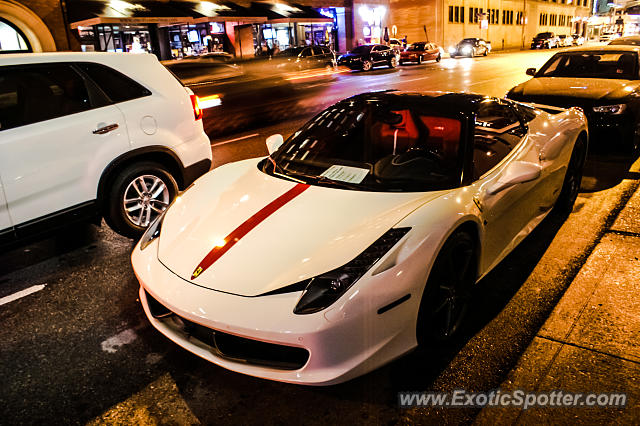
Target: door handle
{"points": [[105, 129]]}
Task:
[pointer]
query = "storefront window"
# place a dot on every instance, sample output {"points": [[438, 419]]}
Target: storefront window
{"points": [[11, 39], [372, 18], [124, 38], [193, 40]]}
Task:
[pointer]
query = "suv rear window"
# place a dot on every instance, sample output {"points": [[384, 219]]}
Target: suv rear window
{"points": [[117, 86]]}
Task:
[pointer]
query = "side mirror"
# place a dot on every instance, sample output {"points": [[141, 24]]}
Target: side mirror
{"points": [[517, 172], [274, 142], [531, 71]]}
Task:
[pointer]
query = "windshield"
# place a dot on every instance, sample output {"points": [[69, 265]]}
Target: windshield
{"points": [[613, 65], [544, 35], [292, 51], [361, 49], [469, 40], [371, 145], [416, 46]]}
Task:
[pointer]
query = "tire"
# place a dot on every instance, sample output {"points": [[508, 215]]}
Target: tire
{"points": [[635, 142], [145, 184], [420, 60], [401, 63], [438, 58], [367, 65], [486, 52], [447, 292], [393, 62], [572, 178]]}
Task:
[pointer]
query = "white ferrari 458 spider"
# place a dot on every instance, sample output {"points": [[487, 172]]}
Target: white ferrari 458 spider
{"points": [[360, 236]]}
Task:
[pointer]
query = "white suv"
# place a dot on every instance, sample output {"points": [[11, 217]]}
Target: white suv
{"points": [[91, 135]]}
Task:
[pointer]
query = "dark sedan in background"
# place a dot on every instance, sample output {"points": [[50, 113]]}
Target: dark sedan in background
{"points": [[367, 56], [603, 81], [546, 40], [470, 47], [305, 57], [419, 52]]}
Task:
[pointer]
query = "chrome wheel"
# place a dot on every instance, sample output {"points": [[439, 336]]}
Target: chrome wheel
{"points": [[145, 198], [367, 65]]}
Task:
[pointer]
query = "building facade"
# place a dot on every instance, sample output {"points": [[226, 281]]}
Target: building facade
{"points": [[171, 28], [506, 24], [32, 26]]}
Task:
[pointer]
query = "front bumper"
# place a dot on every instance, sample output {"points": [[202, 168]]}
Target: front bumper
{"points": [[344, 341]]}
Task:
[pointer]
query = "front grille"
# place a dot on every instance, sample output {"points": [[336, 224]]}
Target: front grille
{"points": [[230, 346]]}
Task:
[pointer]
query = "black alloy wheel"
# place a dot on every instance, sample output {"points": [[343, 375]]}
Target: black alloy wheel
{"points": [[446, 295], [635, 141], [572, 178]]}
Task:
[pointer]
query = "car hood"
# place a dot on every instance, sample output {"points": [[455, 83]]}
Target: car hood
{"points": [[586, 88], [316, 231], [350, 55]]}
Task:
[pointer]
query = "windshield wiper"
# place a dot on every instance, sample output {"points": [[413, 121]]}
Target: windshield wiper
{"points": [[323, 180], [282, 174]]}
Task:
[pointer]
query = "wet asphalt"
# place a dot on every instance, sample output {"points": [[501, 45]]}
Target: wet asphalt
{"points": [[80, 349]]}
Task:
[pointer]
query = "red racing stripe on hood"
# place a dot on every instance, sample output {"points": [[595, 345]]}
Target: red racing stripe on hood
{"points": [[242, 230]]}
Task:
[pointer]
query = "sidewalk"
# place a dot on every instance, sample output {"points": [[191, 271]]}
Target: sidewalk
{"points": [[591, 341]]}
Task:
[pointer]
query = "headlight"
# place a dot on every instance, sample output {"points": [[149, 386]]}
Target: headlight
{"points": [[339, 58], [610, 109], [323, 290], [452, 49], [466, 49], [152, 232]]}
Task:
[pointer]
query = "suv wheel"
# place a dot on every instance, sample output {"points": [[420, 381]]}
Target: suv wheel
{"points": [[137, 196]]}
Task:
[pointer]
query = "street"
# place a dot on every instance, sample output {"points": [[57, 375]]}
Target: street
{"points": [[76, 347]]}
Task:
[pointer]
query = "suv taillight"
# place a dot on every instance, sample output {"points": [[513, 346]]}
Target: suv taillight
{"points": [[197, 111]]}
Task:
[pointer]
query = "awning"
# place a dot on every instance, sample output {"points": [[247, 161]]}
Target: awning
{"points": [[219, 12], [94, 12], [287, 13]]}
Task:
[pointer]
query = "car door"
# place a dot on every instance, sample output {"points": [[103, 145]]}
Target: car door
{"points": [[431, 51], [507, 212], [6, 226], [58, 131], [376, 55]]}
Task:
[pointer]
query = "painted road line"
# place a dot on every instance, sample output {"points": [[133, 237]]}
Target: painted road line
{"points": [[236, 139], [21, 294]]}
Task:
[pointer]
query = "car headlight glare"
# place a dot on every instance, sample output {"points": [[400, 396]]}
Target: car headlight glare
{"points": [[610, 109], [452, 49], [466, 49], [152, 232], [325, 289]]}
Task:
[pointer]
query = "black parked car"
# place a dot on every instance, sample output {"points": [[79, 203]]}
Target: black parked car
{"points": [[470, 47], [368, 56], [603, 81], [546, 40], [305, 57]]}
